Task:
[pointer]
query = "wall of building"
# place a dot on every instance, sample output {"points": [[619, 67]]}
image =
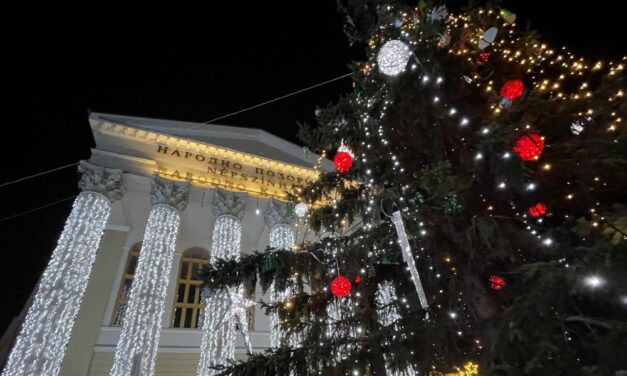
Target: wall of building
{"points": [[93, 342], [168, 364]]}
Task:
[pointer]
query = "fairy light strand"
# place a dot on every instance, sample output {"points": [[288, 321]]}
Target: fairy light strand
{"points": [[40, 346], [218, 332], [136, 351]]}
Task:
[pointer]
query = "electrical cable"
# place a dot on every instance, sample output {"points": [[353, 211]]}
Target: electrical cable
{"points": [[38, 174], [273, 100], [36, 209], [195, 126]]}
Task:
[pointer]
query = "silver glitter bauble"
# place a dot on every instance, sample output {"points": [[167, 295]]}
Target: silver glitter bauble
{"points": [[301, 210], [393, 57]]}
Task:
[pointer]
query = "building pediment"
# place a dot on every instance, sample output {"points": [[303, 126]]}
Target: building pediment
{"points": [[233, 158]]}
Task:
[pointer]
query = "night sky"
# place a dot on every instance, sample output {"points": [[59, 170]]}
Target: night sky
{"points": [[190, 64]]}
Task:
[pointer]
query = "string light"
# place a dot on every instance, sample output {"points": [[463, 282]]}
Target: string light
{"points": [[218, 328], [40, 346], [388, 314], [372, 125], [137, 347], [594, 281], [281, 237]]}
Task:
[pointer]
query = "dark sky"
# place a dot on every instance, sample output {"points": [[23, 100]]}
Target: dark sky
{"points": [[186, 64]]}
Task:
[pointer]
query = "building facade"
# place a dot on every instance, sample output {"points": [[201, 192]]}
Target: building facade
{"points": [[172, 196]]}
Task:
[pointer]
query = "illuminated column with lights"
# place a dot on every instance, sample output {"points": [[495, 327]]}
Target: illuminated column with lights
{"points": [[137, 347], [388, 314], [218, 326], [40, 345], [339, 309], [281, 237]]}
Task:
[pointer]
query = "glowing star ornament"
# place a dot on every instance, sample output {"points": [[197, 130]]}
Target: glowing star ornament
{"points": [[529, 147], [437, 14], [537, 210], [341, 287], [343, 159], [301, 209], [512, 89], [238, 308], [393, 57], [496, 282]]}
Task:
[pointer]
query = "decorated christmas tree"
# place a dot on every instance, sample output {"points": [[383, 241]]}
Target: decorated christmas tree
{"points": [[476, 221]]}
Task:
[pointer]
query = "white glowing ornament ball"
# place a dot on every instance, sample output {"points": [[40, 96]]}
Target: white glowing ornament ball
{"points": [[393, 57], [301, 209]]}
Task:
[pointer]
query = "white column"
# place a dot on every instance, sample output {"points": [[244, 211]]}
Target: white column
{"points": [[218, 326], [281, 237], [386, 297], [339, 309], [40, 345], [137, 347]]}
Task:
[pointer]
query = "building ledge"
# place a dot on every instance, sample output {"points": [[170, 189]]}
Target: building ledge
{"points": [[179, 340]]}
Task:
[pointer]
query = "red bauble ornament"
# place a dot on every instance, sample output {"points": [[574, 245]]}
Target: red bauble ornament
{"points": [[343, 159], [341, 286], [537, 210], [496, 282], [483, 57], [358, 280], [529, 147], [512, 89]]}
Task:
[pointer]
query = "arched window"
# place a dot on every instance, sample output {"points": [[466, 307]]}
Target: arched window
{"points": [[125, 286], [187, 302]]}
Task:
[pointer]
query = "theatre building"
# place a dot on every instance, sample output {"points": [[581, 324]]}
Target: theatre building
{"points": [[159, 200]]}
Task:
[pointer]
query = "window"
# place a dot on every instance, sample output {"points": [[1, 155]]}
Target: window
{"points": [[187, 304], [125, 287]]}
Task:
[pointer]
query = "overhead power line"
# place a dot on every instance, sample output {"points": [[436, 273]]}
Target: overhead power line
{"points": [[195, 126], [38, 174], [198, 125], [273, 100], [36, 209]]}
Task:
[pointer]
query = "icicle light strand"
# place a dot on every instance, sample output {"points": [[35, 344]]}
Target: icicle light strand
{"points": [[218, 343], [409, 257], [386, 297], [137, 348], [40, 346], [281, 237]]}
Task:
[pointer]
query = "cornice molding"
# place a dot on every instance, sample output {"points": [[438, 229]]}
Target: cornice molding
{"points": [[156, 138]]}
